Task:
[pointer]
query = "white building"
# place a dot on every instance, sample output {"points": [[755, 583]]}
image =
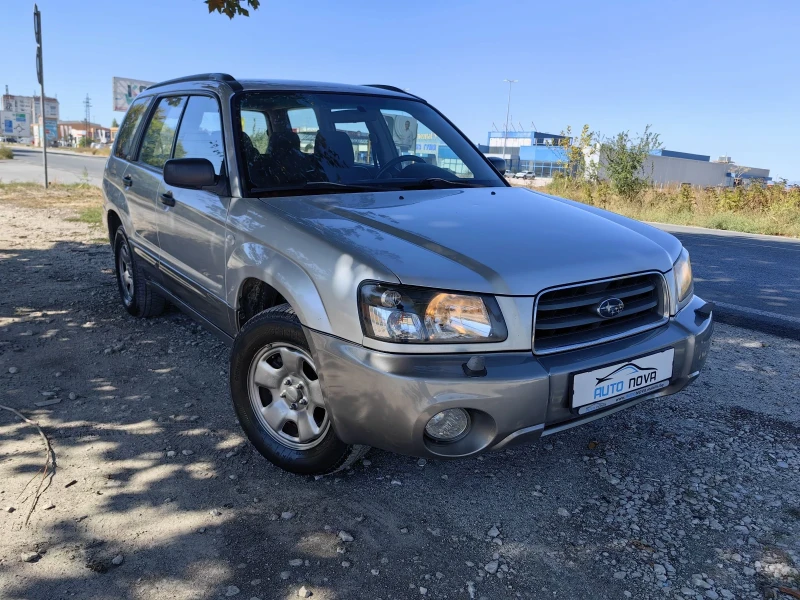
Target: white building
{"points": [[669, 167], [30, 106]]}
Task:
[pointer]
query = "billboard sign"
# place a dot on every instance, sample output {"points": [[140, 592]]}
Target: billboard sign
{"points": [[50, 129], [404, 131], [125, 90], [15, 124]]}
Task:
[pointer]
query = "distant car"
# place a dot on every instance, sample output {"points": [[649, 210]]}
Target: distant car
{"points": [[524, 175], [9, 140]]}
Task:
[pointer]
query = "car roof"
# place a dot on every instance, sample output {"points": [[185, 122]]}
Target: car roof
{"points": [[319, 86], [204, 80]]}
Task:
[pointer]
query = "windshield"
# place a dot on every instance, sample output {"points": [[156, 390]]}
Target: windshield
{"points": [[312, 143]]}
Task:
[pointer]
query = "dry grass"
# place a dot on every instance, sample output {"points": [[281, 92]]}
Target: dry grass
{"points": [[77, 198], [6, 153], [92, 151], [768, 210]]}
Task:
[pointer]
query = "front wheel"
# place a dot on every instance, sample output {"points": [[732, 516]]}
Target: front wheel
{"points": [[278, 397]]}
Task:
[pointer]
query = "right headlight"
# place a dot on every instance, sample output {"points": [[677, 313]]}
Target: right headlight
{"points": [[410, 315], [684, 283]]}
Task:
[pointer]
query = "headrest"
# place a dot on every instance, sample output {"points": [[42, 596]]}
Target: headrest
{"points": [[283, 142], [334, 148]]}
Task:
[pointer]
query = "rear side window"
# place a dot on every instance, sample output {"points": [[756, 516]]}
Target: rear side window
{"points": [[254, 128], [200, 133], [127, 132], [160, 133]]}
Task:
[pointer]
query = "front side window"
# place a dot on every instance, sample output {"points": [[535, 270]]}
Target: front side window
{"points": [[304, 123], [129, 126], [160, 133], [358, 133], [320, 141], [200, 133]]}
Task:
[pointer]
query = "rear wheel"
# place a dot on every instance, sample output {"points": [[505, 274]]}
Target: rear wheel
{"points": [[137, 294], [278, 397]]}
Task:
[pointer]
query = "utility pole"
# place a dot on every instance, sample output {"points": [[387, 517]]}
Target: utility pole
{"points": [[37, 30], [508, 114], [87, 104]]}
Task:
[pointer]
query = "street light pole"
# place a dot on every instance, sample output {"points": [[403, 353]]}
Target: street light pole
{"points": [[37, 30], [508, 113]]}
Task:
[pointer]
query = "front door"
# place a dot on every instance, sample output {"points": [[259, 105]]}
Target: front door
{"points": [[191, 223]]}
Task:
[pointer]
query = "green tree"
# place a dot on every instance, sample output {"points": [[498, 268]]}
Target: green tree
{"points": [[579, 153], [623, 159], [231, 8], [114, 123]]}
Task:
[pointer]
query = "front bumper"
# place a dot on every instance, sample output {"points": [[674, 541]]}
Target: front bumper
{"points": [[384, 400]]}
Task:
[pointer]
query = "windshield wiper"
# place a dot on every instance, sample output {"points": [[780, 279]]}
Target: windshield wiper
{"points": [[438, 183], [318, 187]]}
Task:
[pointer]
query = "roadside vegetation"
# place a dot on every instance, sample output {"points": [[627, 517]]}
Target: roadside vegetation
{"points": [[625, 187], [771, 210], [6, 153], [74, 202], [87, 150]]}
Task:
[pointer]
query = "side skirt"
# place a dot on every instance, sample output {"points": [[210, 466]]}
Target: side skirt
{"points": [[194, 314]]}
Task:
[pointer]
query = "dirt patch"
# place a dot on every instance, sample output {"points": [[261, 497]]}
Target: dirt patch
{"points": [[157, 494]]}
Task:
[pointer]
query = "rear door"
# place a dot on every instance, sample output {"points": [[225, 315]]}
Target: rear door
{"points": [[192, 223], [142, 178], [114, 177]]}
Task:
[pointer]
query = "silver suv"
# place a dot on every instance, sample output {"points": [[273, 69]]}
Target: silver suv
{"points": [[379, 281]]}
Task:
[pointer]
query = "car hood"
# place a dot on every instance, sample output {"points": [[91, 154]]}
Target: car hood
{"points": [[507, 241]]}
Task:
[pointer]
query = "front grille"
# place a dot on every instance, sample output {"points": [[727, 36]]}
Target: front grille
{"points": [[567, 317]]}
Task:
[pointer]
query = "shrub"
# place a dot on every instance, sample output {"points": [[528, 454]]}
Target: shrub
{"points": [[6, 153], [753, 209]]}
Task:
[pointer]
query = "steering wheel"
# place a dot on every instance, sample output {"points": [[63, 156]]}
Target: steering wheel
{"points": [[396, 161]]}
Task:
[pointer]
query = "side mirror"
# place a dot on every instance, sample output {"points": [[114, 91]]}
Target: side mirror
{"points": [[192, 173], [498, 163]]}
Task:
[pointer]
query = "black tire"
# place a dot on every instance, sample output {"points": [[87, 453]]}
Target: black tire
{"points": [[138, 296], [281, 325]]}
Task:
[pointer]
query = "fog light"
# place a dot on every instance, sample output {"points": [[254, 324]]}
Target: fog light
{"points": [[448, 425]]}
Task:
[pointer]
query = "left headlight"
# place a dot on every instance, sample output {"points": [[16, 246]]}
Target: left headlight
{"points": [[395, 313], [684, 283]]}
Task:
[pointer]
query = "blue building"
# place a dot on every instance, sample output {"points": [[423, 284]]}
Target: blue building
{"points": [[533, 151]]}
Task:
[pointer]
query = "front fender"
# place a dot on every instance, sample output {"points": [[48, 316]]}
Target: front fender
{"points": [[289, 280], [317, 277]]}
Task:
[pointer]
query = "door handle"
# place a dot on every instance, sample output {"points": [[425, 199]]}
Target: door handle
{"points": [[167, 199], [127, 181]]}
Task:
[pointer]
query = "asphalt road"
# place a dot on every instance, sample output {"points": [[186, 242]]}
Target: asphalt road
{"points": [[754, 280], [58, 163]]}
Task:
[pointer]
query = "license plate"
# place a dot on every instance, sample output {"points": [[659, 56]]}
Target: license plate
{"points": [[593, 390]]}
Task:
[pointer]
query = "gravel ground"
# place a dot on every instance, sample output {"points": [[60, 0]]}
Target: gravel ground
{"points": [[157, 494]]}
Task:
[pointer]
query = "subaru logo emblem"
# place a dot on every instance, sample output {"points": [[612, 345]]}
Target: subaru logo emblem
{"points": [[610, 308]]}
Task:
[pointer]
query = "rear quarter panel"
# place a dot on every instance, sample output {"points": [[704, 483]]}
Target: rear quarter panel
{"points": [[113, 195]]}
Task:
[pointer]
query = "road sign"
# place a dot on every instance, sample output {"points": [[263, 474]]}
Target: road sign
{"points": [[37, 31]]}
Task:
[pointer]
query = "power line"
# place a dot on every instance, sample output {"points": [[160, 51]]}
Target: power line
{"points": [[87, 103]]}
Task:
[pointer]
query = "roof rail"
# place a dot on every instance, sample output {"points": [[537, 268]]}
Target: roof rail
{"points": [[229, 80], [393, 88]]}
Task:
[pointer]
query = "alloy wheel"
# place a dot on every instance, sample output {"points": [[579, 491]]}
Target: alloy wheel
{"points": [[286, 396]]}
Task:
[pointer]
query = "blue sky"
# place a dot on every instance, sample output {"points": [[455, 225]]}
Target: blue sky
{"points": [[711, 77]]}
